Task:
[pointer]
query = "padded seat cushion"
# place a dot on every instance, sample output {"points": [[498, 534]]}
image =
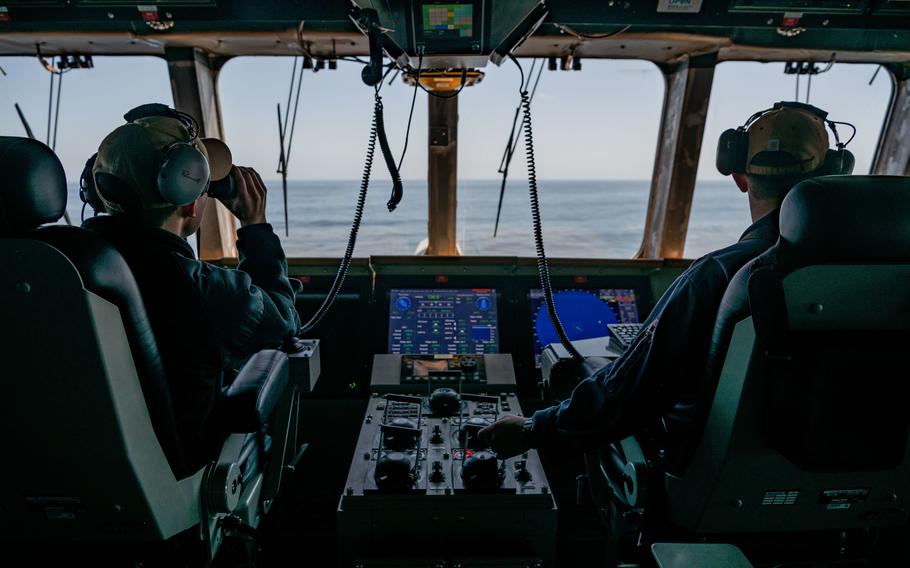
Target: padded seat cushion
{"points": [[847, 219], [253, 396], [33, 185]]}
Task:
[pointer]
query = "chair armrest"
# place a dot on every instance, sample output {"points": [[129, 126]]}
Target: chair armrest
{"points": [[684, 555], [250, 400]]}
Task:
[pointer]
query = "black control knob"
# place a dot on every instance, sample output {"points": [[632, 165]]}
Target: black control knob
{"points": [[468, 435], [293, 345], [436, 437], [521, 471], [393, 472], [481, 471], [468, 363], [444, 402], [224, 188], [402, 436], [436, 475]]}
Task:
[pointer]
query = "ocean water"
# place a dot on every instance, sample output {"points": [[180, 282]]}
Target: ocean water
{"points": [[586, 219]]}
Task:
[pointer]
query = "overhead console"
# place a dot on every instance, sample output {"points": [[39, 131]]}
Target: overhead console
{"points": [[894, 7], [796, 8], [453, 34], [804, 6]]}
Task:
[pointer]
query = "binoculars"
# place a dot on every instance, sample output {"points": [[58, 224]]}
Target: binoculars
{"points": [[220, 159], [224, 188]]}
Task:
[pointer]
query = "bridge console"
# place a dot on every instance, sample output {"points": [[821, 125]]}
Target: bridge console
{"points": [[422, 484]]}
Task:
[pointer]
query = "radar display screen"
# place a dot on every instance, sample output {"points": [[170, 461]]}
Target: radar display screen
{"points": [[584, 314], [453, 321], [448, 21]]}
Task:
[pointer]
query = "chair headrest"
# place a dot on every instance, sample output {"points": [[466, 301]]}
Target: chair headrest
{"points": [[32, 185], [848, 218]]}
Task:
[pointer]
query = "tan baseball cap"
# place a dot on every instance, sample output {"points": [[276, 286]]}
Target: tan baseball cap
{"points": [[786, 141], [133, 154]]}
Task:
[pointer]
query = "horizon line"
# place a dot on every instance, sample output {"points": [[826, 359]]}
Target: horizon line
{"points": [[522, 181], [357, 180]]}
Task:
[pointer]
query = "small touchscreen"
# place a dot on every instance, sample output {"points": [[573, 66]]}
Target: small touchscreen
{"points": [[443, 321]]}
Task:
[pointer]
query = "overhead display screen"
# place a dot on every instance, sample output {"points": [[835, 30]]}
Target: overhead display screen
{"points": [[443, 321], [448, 21]]}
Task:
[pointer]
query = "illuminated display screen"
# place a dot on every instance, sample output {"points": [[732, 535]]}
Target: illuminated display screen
{"points": [[448, 21], [584, 314], [454, 321]]}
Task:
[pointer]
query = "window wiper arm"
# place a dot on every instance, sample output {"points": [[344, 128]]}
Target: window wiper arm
{"points": [[511, 145]]}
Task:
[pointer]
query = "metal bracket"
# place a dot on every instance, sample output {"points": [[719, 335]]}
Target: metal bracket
{"points": [[439, 136]]}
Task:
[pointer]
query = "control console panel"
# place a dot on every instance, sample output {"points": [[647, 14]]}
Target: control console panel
{"points": [[423, 485]]}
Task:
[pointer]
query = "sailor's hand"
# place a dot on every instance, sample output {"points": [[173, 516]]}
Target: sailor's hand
{"points": [[506, 436], [249, 203]]}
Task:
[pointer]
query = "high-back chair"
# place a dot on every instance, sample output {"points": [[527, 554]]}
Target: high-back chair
{"points": [[808, 427], [804, 416], [92, 454]]}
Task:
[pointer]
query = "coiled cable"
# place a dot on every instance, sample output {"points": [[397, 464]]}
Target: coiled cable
{"points": [[543, 268], [379, 126], [355, 227]]}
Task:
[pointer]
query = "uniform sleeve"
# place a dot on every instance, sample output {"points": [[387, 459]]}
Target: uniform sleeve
{"points": [[663, 360], [250, 307]]}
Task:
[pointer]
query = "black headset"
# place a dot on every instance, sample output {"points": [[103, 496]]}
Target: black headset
{"points": [[733, 145], [183, 174]]}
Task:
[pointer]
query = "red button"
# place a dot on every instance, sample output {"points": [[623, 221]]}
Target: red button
{"points": [[148, 13]]}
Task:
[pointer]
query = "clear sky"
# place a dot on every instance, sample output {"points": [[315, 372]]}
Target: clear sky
{"points": [[599, 123]]}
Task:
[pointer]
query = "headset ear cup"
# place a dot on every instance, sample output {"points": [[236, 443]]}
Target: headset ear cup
{"points": [[115, 195], [849, 161], [88, 193], [732, 148], [183, 175], [838, 163]]}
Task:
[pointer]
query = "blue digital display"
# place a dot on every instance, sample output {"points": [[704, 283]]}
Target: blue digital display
{"points": [[584, 314], [453, 321]]}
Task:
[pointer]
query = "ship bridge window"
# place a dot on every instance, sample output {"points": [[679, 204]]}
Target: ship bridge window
{"points": [[595, 134], [720, 213], [327, 154], [92, 103]]}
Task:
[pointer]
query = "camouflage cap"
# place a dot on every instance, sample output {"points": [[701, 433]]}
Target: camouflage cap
{"points": [[133, 154]]}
